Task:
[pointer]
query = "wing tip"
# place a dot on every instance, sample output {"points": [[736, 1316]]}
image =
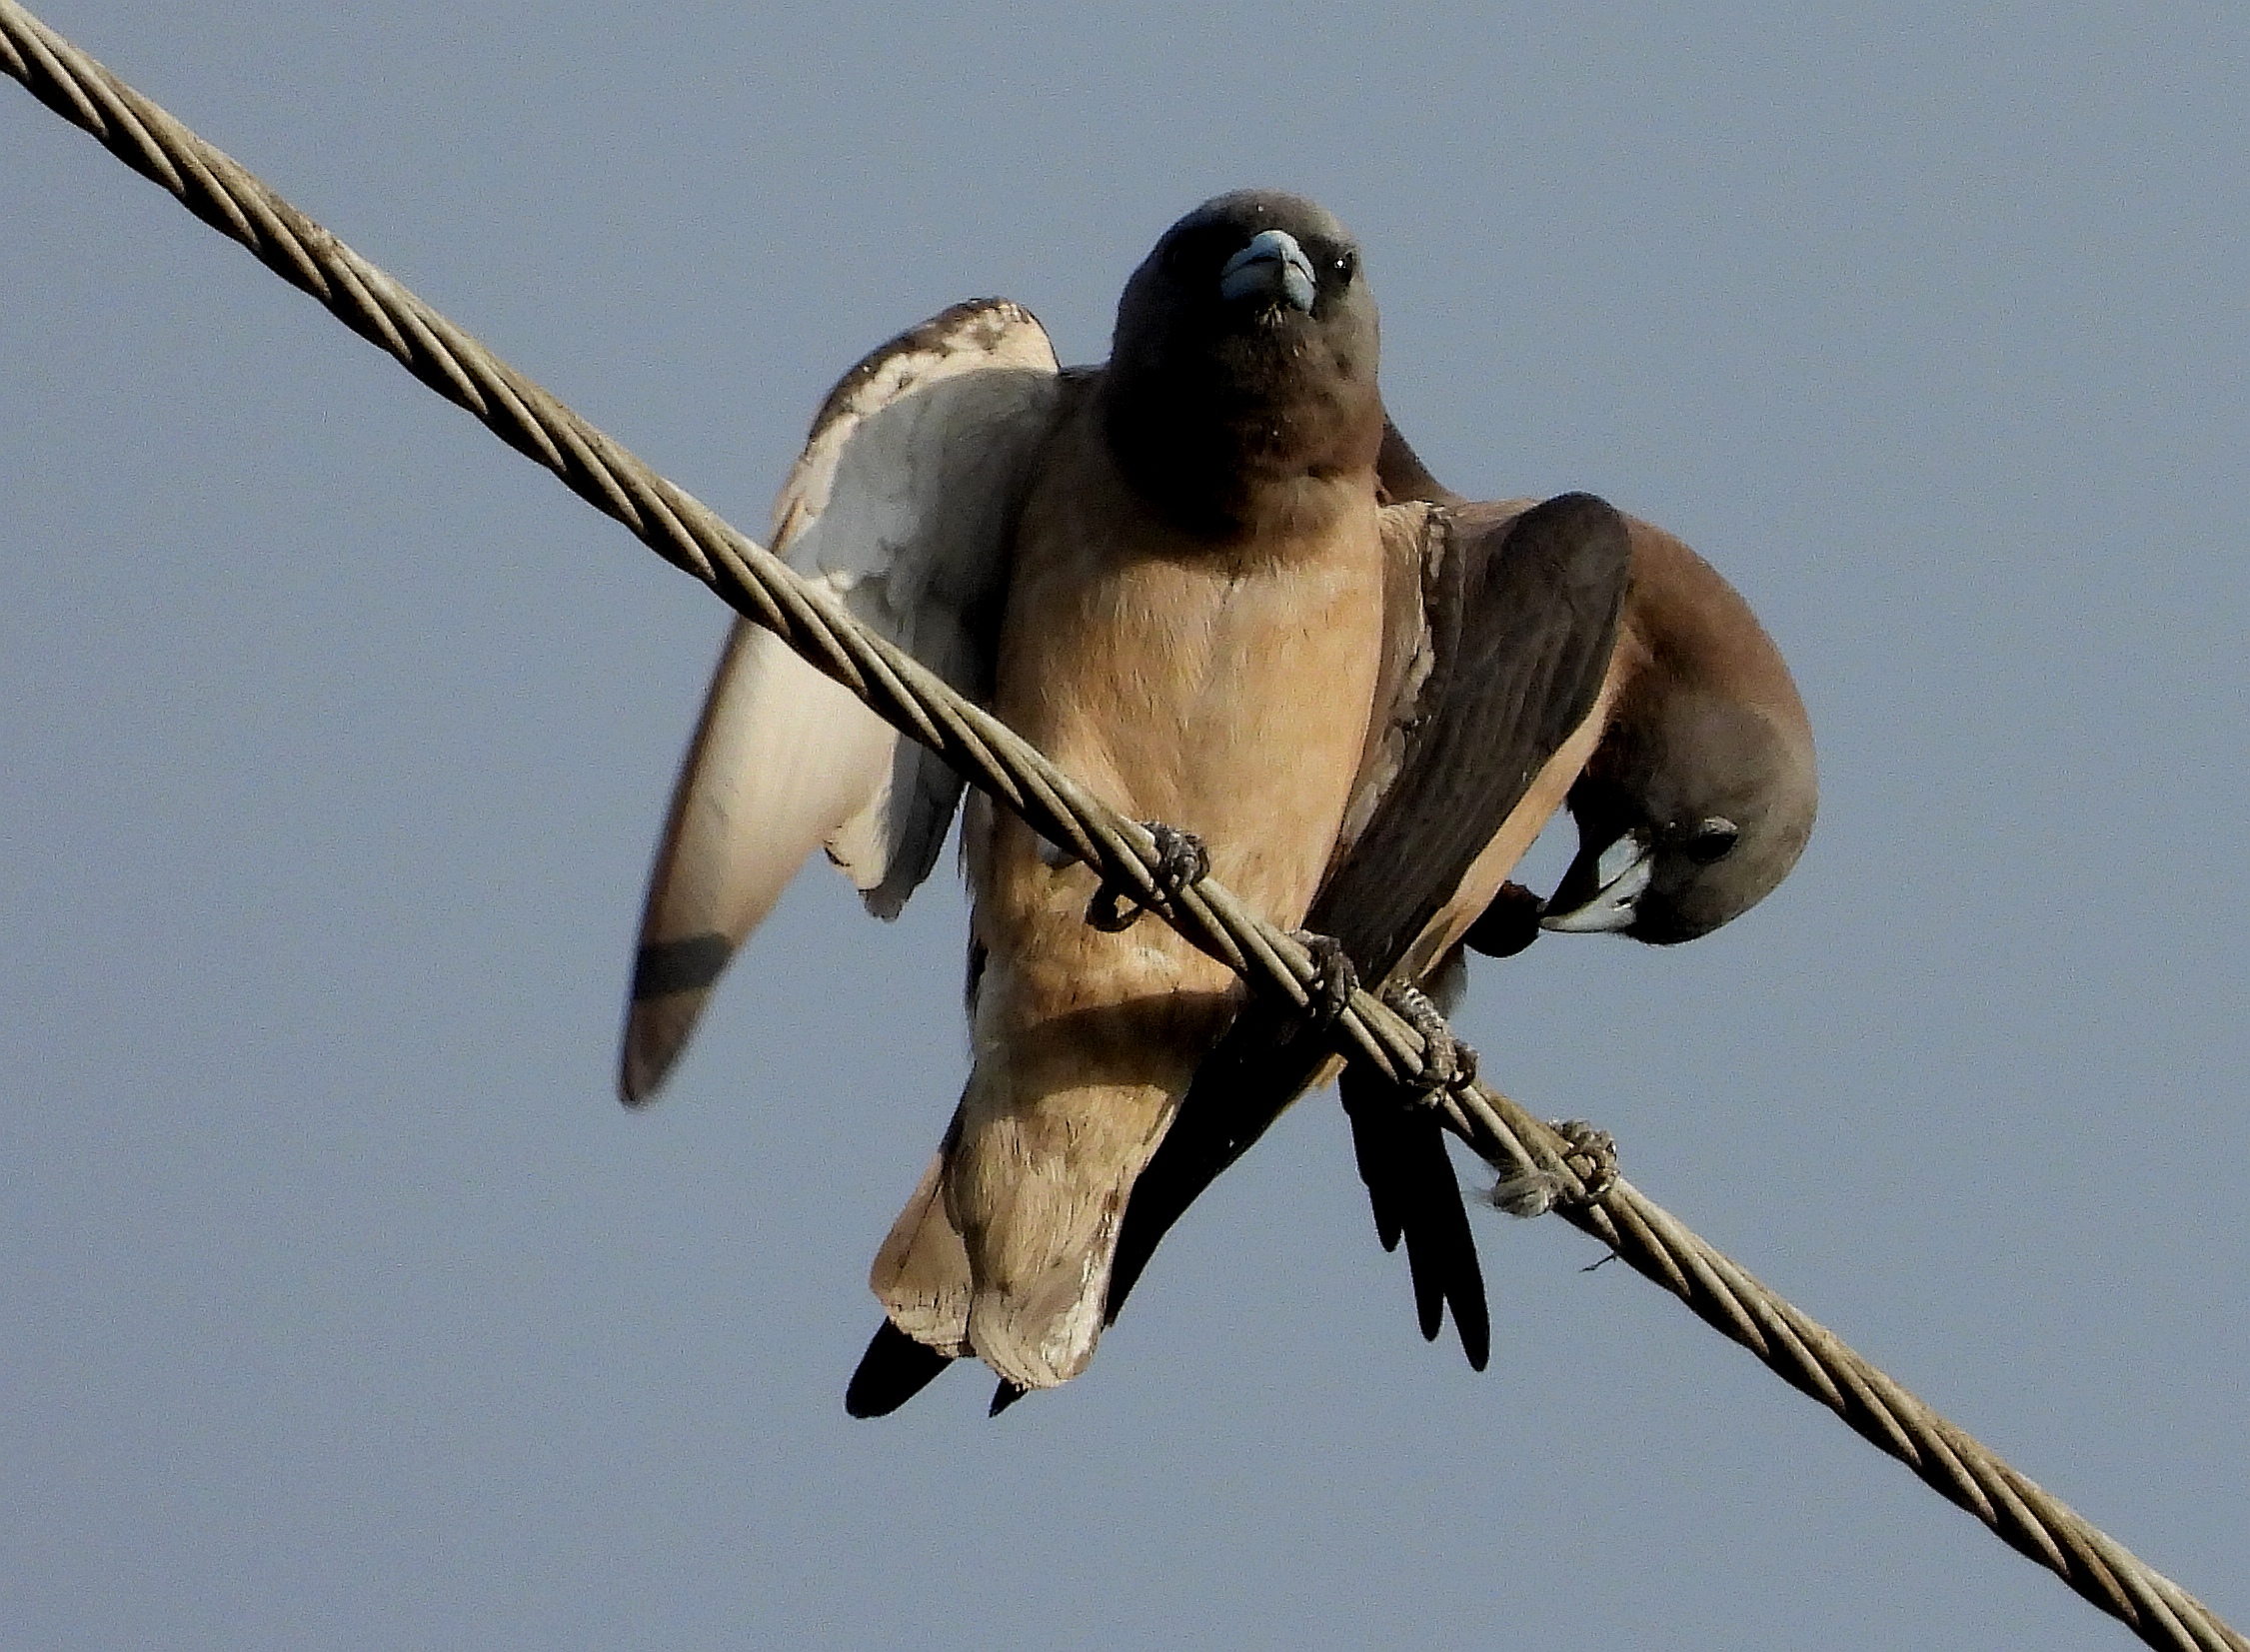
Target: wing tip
{"points": [[637, 1077], [653, 1039], [672, 981]]}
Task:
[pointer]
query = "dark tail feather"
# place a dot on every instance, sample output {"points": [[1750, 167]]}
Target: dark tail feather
{"points": [[1413, 1192], [1003, 1396], [894, 1369], [1439, 1242], [1422, 1266], [1375, 1143]]}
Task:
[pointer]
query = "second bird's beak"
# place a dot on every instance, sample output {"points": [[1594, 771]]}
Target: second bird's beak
{"points": [[1602, 894]]}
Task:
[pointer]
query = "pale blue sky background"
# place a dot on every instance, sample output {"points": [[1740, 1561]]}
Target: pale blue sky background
{"points": [[341, 1305]]}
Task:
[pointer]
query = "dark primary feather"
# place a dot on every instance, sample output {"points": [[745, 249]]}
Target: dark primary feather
{"points": [[1522, 616], [1414, 1195], [1573, 550], [1523, 630]]}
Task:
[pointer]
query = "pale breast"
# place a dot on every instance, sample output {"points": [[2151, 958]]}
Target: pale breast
{"points": [[1223, 689]]}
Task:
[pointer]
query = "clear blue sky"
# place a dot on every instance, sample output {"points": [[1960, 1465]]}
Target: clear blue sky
{"points": [[342, 1306]]}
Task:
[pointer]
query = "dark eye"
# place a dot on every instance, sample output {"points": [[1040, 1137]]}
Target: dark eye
{"points": [[1710, 840], [1346, 266]]}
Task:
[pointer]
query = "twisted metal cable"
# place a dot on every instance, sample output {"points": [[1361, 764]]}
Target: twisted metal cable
{"points": [[752, 581]]}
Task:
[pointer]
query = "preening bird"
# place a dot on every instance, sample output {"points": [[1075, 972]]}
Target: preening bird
{"points": [[1696, 801], [1701, 793], [1179, 576]]}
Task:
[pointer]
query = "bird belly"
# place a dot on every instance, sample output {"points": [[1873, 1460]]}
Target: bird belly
{"points": [[1229, 703]]}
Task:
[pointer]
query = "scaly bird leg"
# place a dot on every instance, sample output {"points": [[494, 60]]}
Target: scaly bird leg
{"points": [[1182, 862], [1593, 1154], [1329, 994], [1448, 1062]]}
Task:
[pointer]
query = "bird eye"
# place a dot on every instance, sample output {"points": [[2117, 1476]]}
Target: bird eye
{"points": [[1346, 266], [1710, 840]]}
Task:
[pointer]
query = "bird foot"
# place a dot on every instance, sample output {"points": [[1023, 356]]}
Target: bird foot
{"points": [[1182, 862], [1329, 994], [1592, 1155], [1448, 1062]]}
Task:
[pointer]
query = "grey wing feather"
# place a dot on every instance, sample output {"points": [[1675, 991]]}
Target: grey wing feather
{"points": [[901, 506]]}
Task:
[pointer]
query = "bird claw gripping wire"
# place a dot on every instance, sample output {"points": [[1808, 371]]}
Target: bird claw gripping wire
{"points": [[1593, 1157], [1329, 994], [1449, 1064], [1182, 862], [1590, 1155]]}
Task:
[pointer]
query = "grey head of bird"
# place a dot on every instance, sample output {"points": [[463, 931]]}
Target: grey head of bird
{"points": [[1243, 359], [1685, 824]]}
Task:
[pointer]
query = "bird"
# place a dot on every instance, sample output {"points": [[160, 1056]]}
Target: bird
{"points": [[1702, 792], [1697, 800], [1508, 632], [1179, 576]]}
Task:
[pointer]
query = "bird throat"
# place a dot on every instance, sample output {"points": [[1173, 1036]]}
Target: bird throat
{"points": [[1242, 441]]}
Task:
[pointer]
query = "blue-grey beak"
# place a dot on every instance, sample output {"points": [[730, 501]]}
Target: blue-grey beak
{"points": [[1601, 895], [1272, 265]]}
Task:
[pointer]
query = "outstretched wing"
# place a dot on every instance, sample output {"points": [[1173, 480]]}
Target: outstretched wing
{"points": [[901, 504], [1520, 614]]}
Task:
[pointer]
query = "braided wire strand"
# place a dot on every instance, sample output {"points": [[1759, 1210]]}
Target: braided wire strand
{"points": [[757, 585]]}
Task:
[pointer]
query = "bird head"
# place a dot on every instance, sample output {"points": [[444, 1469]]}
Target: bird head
{"points": [[1244, 356], [1687, 829]]}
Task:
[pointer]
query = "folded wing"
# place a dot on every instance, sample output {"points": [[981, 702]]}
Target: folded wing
{"points": [[1518, 617]]}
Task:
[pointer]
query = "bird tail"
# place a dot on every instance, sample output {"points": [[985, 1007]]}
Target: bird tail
{"points": [[1007, 1246], [921, 1274], [1037, 1184], [1037, 1313]]}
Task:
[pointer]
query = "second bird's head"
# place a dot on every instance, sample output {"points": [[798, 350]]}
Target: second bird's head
{"points": [[1687, 821], [1245, 347]]}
